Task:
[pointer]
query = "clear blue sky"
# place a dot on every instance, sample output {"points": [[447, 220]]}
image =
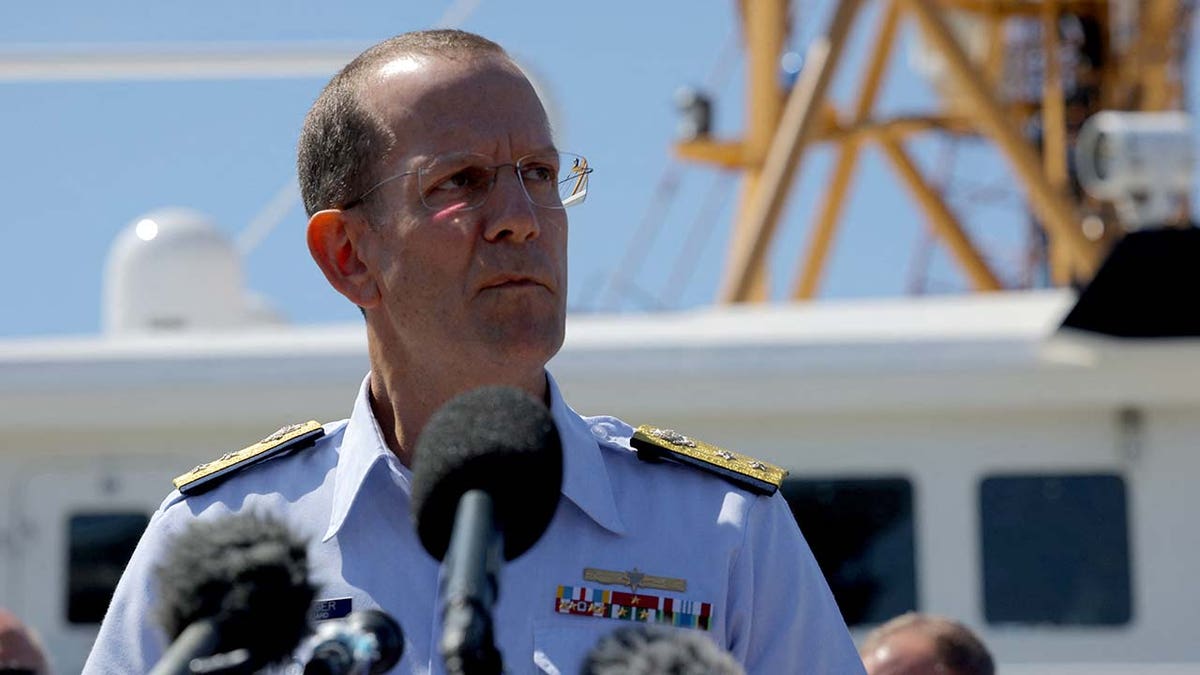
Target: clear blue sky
{"points": [[83, 160]]}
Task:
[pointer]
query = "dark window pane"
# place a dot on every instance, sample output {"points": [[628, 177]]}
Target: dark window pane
{"points": [[99, 547], [861, 532], [1055, 549]]}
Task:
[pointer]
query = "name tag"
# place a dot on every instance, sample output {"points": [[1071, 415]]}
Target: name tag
{"points": [[333, 608]]}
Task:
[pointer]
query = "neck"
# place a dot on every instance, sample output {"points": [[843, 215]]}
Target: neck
{"points": [[406, 392]]}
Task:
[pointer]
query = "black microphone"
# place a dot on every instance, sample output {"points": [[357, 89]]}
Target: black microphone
{"points": [[364, 642], [234, 584], [487, 473]]}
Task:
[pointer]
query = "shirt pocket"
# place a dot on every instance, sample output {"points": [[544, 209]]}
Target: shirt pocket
{"points": [[560, 644]]}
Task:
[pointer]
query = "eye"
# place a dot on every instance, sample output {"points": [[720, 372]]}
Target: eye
{"points": [[463, 180], [538, 173]]}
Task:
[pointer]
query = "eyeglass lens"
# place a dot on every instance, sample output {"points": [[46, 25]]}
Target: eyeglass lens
{"points": [[552, 180]]}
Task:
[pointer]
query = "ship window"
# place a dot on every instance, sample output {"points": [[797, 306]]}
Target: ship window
{"points": [[861, 533], [99, 547], [1055, 549]]}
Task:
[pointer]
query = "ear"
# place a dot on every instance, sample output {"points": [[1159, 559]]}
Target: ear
{"points": [[337, 253]]}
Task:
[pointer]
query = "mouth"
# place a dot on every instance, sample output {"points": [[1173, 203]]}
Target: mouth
{"points": [[514, 281]]}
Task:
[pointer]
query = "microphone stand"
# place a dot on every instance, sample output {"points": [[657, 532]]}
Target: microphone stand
{"points": [[197, 640], [469, 590]]}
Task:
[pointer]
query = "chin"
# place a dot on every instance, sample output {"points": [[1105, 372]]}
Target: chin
{"points": [[531, 343], [534, 348]]}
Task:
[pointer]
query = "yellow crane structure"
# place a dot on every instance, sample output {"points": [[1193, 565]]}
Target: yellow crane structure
{"points": [[1122, 55]]}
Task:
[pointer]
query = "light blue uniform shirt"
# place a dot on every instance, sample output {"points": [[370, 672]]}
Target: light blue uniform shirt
{"points": [[740, 553]]}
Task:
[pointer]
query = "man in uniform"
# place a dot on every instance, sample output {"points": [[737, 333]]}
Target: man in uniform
{"points": [[437, 199]]}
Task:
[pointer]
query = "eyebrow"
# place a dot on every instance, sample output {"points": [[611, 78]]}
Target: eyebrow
{"points": [[425, 159]]}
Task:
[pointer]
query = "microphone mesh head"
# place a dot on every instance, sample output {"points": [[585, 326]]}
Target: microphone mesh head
{"points": [[247, 573], [497, 439]]}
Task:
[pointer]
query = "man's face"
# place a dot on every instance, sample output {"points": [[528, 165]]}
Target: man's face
{"points": [[480, 287]]}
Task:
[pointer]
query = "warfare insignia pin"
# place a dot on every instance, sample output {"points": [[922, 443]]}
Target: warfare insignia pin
{"points": [[634, 579]]}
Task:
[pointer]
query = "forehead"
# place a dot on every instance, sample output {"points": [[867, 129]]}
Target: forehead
{"points": [[436, 105]]}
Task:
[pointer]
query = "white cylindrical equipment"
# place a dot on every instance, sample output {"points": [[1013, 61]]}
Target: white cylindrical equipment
{"points": [[172, 269], [1140, 161]]}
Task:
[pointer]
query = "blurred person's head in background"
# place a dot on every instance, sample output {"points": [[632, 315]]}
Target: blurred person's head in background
{"points": [[922, 644], [20, 650]]}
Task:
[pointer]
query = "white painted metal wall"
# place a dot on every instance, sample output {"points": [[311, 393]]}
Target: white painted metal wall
{"points": [[953, 392]]}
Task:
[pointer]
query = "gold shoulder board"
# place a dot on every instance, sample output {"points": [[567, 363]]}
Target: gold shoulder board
{"points": [[289, 438], [655, 445]]}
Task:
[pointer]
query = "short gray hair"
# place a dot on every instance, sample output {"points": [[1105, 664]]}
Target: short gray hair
{"points": [[341, 140]]}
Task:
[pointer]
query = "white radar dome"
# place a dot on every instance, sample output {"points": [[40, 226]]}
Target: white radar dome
{"points": [[172, 270]]}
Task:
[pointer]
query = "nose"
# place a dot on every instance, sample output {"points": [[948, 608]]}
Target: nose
{"points": [[513, 216]]}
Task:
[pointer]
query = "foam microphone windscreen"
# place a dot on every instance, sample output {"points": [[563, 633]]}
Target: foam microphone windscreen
{"points": [[650, 649], [246, 573], [497, 439]]}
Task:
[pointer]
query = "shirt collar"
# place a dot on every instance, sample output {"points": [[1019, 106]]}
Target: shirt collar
{"points": [[585, 478], [362, 447]]}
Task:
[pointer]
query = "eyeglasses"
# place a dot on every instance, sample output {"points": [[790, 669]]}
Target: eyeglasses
{"points": [[552, 180]]}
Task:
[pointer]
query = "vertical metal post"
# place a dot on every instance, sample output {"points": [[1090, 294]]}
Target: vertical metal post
{"points": [[821, 237], [765, 24], [803, 109], [1054, 131]]}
